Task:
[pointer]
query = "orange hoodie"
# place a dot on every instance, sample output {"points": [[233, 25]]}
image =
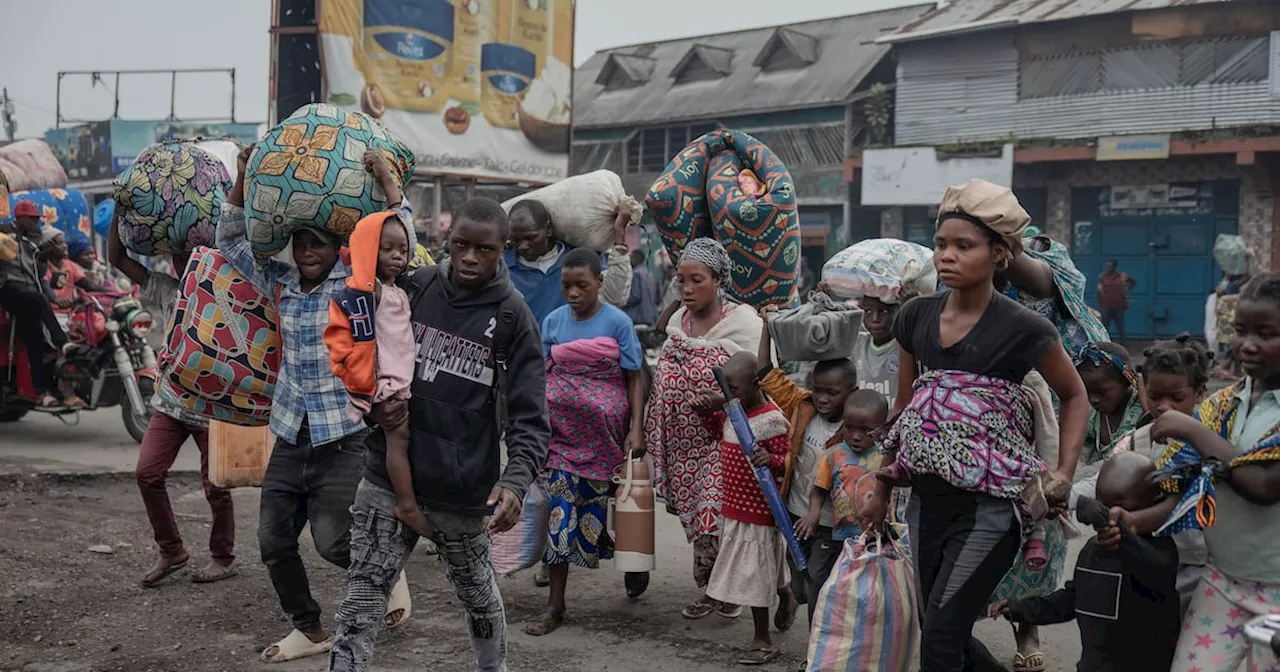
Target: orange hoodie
{"points": [[353, 354]]}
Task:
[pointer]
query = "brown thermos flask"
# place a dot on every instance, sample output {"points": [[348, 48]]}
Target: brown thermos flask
{"points": [[631, 521]]}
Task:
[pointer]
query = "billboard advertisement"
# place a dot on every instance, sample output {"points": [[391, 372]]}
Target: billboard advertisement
{"points": [[103, 149], [128, 138], [84, 151], [477, 88]]}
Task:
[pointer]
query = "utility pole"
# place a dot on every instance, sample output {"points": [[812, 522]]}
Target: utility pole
{"points": [[6, 112]]}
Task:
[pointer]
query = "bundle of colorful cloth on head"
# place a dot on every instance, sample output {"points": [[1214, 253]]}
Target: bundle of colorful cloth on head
{"points": [[309, 172], [730, 186], [1182, 471], [170, 199], [887, 269]]}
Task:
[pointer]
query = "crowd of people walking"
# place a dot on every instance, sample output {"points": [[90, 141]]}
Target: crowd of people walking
{"points": [[971, 424]]}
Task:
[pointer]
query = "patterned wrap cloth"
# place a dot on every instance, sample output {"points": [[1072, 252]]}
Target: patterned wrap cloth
{"points": [[1068, 311], [1182, 471], [683, 446], [170, 199], [976, 432], [223, 352], [588, 406], [309, 172], [730, 186]]}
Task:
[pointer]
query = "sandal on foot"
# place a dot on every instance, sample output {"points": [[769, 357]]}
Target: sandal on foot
{"points": [[294, 646], [545, 623], [636, 583], [758, 656], [785, 617], [159, 573], [729, 611], [700, 608], [1031, 662], [399, 604], [213, 573], [1034, 556], [543, 578]]}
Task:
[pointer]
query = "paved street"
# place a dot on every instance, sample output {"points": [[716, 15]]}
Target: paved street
{"points": [[60, 590]]}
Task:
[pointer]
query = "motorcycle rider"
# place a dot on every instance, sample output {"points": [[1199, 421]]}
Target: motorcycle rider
{"points": [[63, 277], [29, 300]]}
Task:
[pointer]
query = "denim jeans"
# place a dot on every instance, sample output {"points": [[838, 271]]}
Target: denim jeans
{"points": [[315, 484], [380, 546]]}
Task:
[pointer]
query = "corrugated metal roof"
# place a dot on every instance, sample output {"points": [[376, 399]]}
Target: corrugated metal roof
{"points": [[845, 53], [972, 15]]}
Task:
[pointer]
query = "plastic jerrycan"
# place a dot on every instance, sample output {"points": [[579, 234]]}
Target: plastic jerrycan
{"points": [[631, 520]]}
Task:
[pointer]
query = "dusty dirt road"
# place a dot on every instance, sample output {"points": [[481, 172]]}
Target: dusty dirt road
{"points": [[65, 609]]}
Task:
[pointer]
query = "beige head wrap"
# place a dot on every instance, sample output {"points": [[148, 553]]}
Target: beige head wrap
{"points": [[989, 205]]}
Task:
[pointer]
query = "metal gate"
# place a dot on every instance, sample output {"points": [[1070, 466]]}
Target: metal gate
{"points": [[1162, 236]]}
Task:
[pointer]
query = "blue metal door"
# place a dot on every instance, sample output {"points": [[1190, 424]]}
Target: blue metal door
{"points": [[1167, 250]]}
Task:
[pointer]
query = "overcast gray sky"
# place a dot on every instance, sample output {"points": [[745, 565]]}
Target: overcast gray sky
{"points": [[42, 37]]}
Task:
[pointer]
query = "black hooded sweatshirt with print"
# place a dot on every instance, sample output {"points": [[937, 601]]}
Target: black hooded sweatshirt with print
{"points": [[453, 417]]}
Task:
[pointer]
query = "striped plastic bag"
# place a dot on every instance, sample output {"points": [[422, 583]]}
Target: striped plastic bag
{"points": [[866, 613]]}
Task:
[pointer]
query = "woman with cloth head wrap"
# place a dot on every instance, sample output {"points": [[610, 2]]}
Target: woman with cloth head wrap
{"points": [[1039, 274], [703, 332], [964, 438]]}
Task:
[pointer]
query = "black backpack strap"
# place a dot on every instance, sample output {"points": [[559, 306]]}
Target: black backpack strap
{"points": [[415, 284], [503, 334]]}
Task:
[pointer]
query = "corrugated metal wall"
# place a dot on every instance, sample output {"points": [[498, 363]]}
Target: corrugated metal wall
{"points": [[967, 91]]}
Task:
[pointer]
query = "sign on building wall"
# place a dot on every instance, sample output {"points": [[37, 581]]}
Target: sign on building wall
{"points": [[1176, 196], [916, 176], [477, 88], [1133, 147]]}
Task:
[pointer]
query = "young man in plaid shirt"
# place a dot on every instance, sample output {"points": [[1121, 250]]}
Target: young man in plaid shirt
{"points": [[319, 453]]}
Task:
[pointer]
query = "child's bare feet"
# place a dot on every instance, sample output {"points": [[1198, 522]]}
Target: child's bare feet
{"points": [[411, 515]]}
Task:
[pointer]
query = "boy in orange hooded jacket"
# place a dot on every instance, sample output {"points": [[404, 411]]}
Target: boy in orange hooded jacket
{"points": [[371, 305]]}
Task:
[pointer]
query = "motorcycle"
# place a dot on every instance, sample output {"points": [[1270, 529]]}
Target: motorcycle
{"points": [[107, 362]]}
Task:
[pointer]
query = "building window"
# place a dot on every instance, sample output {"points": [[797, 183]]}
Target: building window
{"points": [[650, 150], [1153, 66]]}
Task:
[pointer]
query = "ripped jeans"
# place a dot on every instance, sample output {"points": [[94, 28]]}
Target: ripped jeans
{"points": [[380, 547]]}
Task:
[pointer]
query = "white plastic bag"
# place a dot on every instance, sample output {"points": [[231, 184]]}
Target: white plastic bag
{"points": [[583, 208], [888, 269], [226, 151]]}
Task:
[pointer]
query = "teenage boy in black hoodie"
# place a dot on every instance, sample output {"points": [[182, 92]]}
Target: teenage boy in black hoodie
{"points": [[1125, 600], [479, 371]]}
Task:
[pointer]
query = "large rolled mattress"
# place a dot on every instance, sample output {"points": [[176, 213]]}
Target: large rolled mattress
{"points": [[65, 209], [309, 171], [730, 186], [222, 353]]}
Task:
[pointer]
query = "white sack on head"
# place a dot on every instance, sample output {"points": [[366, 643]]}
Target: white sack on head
{"points": [[887, 269], [583, 208]]}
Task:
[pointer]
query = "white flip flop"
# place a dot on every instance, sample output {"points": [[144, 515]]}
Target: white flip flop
{"points": [[294, 646], [400, 599]]}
